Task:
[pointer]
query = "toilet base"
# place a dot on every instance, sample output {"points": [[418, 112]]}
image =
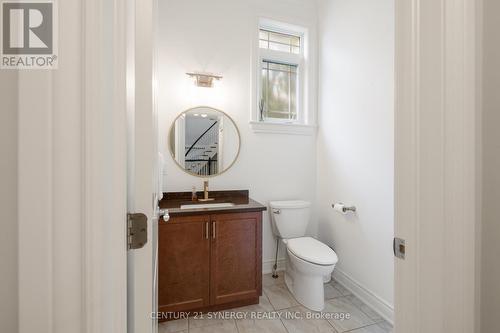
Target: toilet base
{"points": [[305, 281]]}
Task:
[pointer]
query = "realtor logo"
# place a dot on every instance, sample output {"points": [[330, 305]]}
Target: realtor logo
{"points": [[29, 34]]}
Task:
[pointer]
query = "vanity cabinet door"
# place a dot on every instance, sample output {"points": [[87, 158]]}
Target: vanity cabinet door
{"points": [[236, 257], [184, 263]]}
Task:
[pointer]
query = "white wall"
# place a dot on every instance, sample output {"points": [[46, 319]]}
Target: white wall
{"points": [[8, 199], [490, 295], [216, 36], [356, 139]]}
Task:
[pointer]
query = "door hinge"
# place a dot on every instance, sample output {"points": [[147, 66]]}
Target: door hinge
{"points": [[137, 230], [399, 248]]}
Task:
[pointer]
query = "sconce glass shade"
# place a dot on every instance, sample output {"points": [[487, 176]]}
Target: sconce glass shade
{"points": [[205, 80]]}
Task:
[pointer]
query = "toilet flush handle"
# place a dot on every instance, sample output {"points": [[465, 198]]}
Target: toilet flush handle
{"points": [[277, 211]]}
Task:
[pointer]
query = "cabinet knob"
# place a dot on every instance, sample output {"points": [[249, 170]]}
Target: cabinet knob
{"points": [[164, 214]]}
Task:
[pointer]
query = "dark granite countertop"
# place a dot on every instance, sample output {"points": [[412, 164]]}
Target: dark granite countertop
{"points": [[242, 203]]}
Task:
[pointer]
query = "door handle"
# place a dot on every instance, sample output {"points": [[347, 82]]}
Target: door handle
{"points": [[213, 230]]}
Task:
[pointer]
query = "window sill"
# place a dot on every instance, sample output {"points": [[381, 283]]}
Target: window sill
{"points": [[282, 128]]}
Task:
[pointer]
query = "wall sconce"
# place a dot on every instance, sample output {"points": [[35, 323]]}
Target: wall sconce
{"points": [[205, 80]]}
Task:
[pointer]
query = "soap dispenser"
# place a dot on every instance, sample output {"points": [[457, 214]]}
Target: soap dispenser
{"points": [[194, 196]]}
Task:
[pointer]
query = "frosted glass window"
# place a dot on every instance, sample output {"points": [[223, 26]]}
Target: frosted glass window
{"points": [[279, 90]]}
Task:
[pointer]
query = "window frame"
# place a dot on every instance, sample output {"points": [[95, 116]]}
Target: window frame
{"points": [[304, 124], [269, 41]]}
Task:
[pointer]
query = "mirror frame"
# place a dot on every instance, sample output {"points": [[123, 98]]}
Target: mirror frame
{"points": [[173, 155]]}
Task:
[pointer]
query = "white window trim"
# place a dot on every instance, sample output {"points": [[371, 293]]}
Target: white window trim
{"points": [[304, 125], [282, 128]]}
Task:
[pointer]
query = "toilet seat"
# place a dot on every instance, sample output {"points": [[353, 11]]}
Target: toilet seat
{"points": [[312, 250]]}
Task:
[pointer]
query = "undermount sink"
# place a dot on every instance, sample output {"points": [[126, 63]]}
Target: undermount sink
{"points": [[208, 205]]}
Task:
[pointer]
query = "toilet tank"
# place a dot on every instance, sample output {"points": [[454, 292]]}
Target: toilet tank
{"points": [[290, 218]]}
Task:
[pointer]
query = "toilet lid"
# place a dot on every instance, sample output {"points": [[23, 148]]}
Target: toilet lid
{"points": [[312, 250]]}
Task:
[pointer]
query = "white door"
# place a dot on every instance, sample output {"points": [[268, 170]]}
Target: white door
{"points": [[436, 147], [142, 164]]}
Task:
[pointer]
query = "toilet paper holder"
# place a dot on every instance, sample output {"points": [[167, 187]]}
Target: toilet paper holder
{"points": [[344, 208]]}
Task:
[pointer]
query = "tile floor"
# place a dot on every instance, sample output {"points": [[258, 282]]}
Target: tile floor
{"points": [[279, 313]]}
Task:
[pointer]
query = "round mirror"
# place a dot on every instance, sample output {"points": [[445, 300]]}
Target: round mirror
{"points": [[204, 141]]}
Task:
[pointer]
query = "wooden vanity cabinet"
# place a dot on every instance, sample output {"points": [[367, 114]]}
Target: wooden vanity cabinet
{"points": [[236, 257], [209, 262], [183, 263]]}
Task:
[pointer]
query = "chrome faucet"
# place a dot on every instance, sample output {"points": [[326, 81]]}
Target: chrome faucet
{"points": [[205, 192]]}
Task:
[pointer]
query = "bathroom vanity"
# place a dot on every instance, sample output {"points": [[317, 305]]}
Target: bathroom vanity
{"points": [[209, 253]]}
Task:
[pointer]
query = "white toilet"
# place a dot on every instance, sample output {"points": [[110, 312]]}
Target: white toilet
{"points": [[309, 263]]}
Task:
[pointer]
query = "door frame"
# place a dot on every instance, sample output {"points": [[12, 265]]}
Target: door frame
{"points": [[143, 169], [105, 284]]}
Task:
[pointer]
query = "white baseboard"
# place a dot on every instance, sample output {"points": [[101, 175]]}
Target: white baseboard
{"points": [[267, 265], [384, 309]]}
